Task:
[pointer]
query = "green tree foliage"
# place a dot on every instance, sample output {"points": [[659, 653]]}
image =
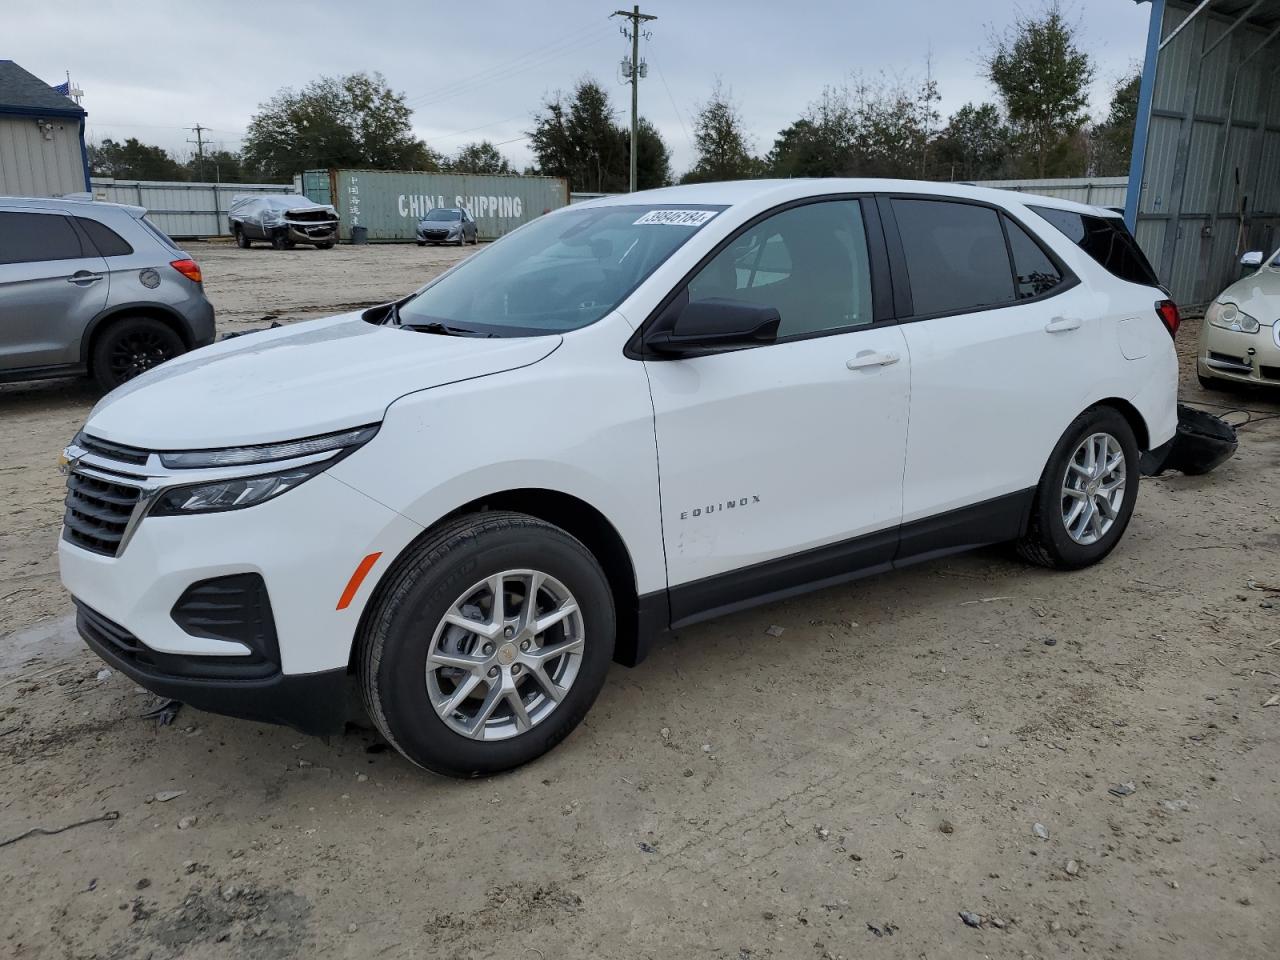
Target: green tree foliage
{"points": [[974, 145], [482, 157], [1042, 76], [724, 151], [221, 166], [868, 128], [1112, 140], [351, 121], [578, 137], [133, 160]]}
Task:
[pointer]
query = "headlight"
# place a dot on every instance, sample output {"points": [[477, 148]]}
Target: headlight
{"points": [[219, 495], [345, 441], [1229, 316]]}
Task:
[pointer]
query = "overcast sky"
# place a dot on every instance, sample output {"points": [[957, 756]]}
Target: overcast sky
{"points": [[480, 68]]}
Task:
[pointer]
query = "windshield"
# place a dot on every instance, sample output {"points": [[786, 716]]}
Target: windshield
{"points": [[558, 273], [439, 214]]}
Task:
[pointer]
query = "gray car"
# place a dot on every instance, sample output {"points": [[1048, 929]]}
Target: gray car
{"points": [[447, 225], [283, 220], [96, 288]]}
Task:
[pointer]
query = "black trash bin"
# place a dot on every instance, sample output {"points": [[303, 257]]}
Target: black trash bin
{"points": [[359, 234]]}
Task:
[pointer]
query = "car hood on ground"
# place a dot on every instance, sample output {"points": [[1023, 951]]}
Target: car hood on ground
{"points": [[1257, 295], [295, 381]]}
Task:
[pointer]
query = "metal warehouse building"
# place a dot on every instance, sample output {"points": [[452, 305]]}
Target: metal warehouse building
{"points": [[1204, 181], [42, 152]]}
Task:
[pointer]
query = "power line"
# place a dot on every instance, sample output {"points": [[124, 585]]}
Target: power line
{"points": [[670, 96]]}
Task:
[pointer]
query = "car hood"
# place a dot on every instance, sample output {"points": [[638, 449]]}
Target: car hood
{"points": [[1257, 295], [295, 381]]}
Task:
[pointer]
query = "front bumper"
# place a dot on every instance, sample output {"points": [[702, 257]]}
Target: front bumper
{"points": [[438, 236], [315, 703], [326, 233], [1241, 357]]}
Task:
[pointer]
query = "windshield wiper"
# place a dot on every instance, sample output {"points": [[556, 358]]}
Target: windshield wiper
{"points": [[435, 326]]}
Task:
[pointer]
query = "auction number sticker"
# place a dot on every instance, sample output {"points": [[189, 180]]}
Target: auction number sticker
{"points": [[678, 218]]}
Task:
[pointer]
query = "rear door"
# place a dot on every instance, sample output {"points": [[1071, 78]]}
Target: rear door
{"points": [[52, 283], [1002, 340], [781, 465]]}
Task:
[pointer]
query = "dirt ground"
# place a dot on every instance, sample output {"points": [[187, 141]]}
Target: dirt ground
{"points": [[937, 740]]}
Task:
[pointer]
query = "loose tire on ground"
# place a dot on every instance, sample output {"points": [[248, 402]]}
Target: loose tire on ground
{"points": [[130, 346], [408, 613], [1048, 542]]}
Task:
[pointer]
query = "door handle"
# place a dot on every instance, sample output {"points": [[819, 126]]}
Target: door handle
{"points": [[84, 277], [1062, 325], [872, 358]]}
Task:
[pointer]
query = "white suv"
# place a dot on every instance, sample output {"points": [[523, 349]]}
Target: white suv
{"points": [[626, 417]]}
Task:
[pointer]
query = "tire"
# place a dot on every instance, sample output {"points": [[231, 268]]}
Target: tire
{"points": [[327, 245], [421, 243], [131, 346], [241, 240], [1048, 542], [475, 239], [281, 242], [462, 239], [449, 569]]}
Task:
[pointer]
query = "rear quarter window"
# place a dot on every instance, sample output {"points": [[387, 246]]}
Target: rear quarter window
{"points": [[1106, 240], [159, 234], [108, 242]]}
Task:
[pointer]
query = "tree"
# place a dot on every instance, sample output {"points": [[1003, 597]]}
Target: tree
{"points": [[974, 145], [724, 152], [221, 166], [133, 160], [482, 157], [1042, 77], [653, 162], [577, 137], [351, 121], [1112, 140]]}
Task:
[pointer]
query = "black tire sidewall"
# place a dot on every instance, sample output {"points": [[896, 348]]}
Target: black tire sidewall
{"points": [[105, 341], [404, 628], [1067, 552]]}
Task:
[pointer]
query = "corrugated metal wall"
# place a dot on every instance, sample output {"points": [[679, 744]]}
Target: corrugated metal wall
{"points": [[1211, 177], [182, 209], [40, 162], [390, 202], [1099, 191]]}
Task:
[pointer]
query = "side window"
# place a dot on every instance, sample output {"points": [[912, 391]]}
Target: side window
{"points": [[108, 242], [956, 256], [33, 237], [1033, 271], [810, 262], [1107, 240]]}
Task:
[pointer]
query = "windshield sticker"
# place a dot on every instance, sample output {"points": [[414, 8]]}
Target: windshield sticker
{"points": [[678, 218]]}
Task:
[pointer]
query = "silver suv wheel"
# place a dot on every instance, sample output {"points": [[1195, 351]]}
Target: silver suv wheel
{"points": [[505, 654], [1093, 488]]}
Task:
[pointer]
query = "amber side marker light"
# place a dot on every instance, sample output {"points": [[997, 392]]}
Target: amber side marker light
{"points": [[357, 578]]}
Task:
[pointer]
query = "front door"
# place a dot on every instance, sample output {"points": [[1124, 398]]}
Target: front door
{"points": [[781, 466], [51, 286]]}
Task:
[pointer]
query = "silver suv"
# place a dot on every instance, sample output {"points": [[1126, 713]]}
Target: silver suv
{"points": [[96, 288]]}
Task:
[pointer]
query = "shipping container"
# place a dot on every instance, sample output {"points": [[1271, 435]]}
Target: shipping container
{"points": [[389, 203]]}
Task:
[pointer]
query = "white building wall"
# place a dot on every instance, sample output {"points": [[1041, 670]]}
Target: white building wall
{"points": [[40, 161]]}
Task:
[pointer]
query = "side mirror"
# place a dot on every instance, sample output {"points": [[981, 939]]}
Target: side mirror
{"points": [[1252, 259], [708, 326]]}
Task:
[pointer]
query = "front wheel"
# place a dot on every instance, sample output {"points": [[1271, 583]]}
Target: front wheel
{"points": [[487, 644], [241, 240], [1086, 495]]}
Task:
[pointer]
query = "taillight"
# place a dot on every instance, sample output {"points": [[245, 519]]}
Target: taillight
{"points": [[191, 270], [1167, 311]]}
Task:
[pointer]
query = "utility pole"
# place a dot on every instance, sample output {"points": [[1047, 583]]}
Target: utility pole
{"points": [[199, 131], [634, 70]]}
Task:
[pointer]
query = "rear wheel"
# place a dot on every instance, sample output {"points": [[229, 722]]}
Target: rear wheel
{"points": [[487, 644], [1086, 495], [132, 346]]}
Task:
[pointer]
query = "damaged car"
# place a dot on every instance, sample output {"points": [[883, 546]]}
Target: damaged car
{"points": [[282, 220]]}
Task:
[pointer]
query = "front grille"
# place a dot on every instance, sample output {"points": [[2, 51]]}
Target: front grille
{"points": [[113, 451], [108, 633], [98, 512], [435, 234]]}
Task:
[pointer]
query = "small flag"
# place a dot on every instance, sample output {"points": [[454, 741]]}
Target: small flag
{"points": [[63, 88]]}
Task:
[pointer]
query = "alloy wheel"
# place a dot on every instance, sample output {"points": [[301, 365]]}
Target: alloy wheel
{"points": [[505, 654], [1093, 488], [137, 352]]}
